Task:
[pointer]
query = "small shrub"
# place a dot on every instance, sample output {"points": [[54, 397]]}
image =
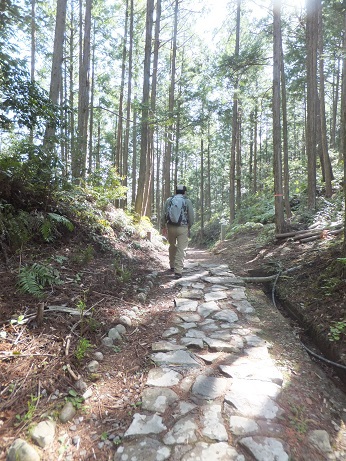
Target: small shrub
{"points": [[82, 348]]}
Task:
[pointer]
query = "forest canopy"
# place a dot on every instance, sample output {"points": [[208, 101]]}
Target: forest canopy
{"points": [[244, 104]]}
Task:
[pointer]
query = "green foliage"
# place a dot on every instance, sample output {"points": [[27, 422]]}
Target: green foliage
{"points": [[122, 272], [211, 232], [83, 255], [76, 400], [49, 227], [33, 279], [298, 419], [82, 348], [28, 168], [105, 186], [257, 209], [19, 227], [23, 103], [337, 330], [30, 412]]}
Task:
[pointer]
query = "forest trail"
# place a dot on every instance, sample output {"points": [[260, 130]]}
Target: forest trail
{"points": [[232, 382], [209, 370]]}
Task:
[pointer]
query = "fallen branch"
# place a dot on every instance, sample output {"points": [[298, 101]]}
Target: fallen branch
{"points": [[72, 373], [269, 278]]}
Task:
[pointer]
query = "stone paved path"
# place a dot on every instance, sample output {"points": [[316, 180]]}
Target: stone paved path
{"points": [[213, 393]]}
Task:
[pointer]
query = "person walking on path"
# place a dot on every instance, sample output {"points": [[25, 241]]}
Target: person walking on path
{"points": [[177, 219]]}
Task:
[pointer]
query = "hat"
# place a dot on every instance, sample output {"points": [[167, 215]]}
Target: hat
{"points": [[181, 188]]}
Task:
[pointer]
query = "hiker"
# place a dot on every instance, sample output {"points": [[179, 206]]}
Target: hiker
{"points": [[177, 219]]}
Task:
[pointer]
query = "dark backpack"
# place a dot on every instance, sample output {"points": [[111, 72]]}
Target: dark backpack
{"points": [[175, 210]]}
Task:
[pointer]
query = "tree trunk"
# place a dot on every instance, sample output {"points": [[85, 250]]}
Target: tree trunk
{"points": [[91, 123], [343, 123], [56, 72], [79, 160], [232, 178], [119, 143], [144, 166], [128, 103], [202, 188], [328, 174], [171, 103], [311, 122], [278, 190], [286, 186]]}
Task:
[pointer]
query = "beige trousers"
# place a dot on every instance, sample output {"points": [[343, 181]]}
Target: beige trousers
{"points": [[178, 241]]}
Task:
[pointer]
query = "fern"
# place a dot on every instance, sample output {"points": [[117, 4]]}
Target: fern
{"points": [[49, 226], [33, 279]]}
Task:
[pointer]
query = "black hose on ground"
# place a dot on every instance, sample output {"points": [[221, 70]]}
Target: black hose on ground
{"points": [[320, 357]]}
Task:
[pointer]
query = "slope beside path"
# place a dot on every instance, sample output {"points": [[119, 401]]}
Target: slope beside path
{"points": [[223, 388]]}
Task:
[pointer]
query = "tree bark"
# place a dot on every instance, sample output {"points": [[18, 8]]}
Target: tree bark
{"points": [[79, 160], [311, 122], [232, 179], [144, 166], [278, 189], [56, 72], [343, 123], [328, 174]]}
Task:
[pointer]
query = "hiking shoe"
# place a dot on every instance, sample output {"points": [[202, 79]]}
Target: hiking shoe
{"points": [[172, 269], [177, 276]]}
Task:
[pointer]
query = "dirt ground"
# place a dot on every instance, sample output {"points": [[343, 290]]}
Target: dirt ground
{"points": [[36, 359]]}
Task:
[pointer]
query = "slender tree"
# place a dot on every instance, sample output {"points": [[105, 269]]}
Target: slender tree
{"points": [[235, 126], [56, 72], [311, 97], [144, 167], [278, 189]]}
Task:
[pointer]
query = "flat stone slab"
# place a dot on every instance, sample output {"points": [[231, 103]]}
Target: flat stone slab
{"points": [[212, 452], [182, 408], [144, 425], [185, 305], [191, 294], [320, 439], [212, 423], [163, 377], [244, 307], [170, 332], [210, 387], [265, 448], [226, 315], [189, 317], [208, 308], [183, 432], [188, 325], [254, 399], [198, 286], [224, 335], [253, 369], [148, 449], [165, 346], [238, 294], [242, 426], [215, 296], [182, 358], [158, 399], [192, 342], [254, 341], [210, 357], [232, 345], [193, 333], [209, 326]]}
